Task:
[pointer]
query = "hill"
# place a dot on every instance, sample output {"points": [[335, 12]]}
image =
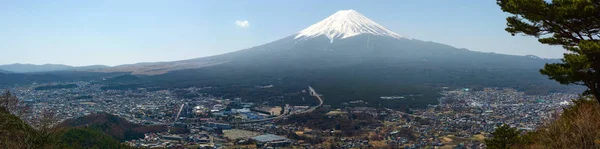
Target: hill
{"points": [[18, 134], [116, 127], [88, 138], [15, 132], [27, 68], [9, 79]]}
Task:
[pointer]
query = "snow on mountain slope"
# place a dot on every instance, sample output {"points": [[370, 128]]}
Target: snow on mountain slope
{"points": [[344, 24]]}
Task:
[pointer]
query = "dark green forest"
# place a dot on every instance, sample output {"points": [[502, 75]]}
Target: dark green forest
{"points": [[367, 82], [114, 126]]}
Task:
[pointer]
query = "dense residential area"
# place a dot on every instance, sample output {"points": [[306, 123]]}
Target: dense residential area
{"points": [[462, 118]]}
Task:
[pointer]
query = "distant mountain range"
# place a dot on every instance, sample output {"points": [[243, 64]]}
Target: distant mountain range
{"points": [[28, 68]]}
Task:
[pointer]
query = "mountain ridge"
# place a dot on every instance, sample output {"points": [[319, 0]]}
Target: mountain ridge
{"points": [[32, 68]]}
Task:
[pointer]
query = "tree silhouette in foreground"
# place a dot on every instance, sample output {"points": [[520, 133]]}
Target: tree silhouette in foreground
{"points": [[9, 102], [504, 138], [16, 133], [573, 24]]}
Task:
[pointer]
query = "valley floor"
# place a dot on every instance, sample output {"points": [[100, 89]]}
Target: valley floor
{"points": [[461, 118]]}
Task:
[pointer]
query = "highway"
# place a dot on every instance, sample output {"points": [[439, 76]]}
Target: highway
{"points": [[286, 113]]}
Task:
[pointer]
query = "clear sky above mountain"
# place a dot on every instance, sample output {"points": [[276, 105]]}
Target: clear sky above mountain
{"points": [[123, 32]]}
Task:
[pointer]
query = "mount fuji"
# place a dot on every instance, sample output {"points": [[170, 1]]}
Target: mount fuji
{"points": [[349, 57], [344, 38], [344, 24]]}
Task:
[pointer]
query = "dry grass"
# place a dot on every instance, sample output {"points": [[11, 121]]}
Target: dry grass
{"points": [[446, 140], [335, 112], [578, 127], [378, 144], [479, 137], [239, 134]]}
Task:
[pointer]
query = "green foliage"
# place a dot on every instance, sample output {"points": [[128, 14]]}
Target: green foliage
{"points": [[114, 126], [18, 134], [573, 24], [504, 138], [88, 138], [15, 133]]}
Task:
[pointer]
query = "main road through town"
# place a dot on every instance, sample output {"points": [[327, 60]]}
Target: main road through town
{"points": [[286, 110]]}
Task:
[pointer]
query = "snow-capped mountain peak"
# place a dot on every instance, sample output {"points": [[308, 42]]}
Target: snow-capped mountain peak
{"points": [[344, 24]]}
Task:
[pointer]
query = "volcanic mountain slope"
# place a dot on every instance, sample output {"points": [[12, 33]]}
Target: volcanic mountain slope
{"points": [[350, 57], [344, 38]]}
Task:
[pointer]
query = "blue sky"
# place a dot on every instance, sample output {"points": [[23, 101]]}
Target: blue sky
{"points": [[78, 33]]}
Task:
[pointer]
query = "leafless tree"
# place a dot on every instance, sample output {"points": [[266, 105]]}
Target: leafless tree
{"points": [[17, 134], [9, 102]]}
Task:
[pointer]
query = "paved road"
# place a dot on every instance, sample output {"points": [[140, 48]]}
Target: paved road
{"points": [[287, 114], [314, 93]]}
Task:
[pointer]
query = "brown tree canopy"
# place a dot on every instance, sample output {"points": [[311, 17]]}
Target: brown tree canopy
{"points": [[10, 103]]}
